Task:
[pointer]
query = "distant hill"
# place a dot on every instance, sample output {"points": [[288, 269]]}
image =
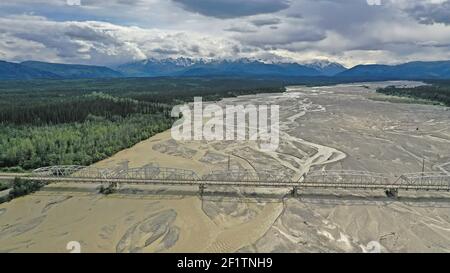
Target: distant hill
{"points": [[240, 67], [14, 71], [155, 68], [40, 70], [407, 71], [73, 71]]}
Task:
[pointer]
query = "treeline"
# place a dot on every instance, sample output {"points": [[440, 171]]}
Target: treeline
{"points": [[84, 143], [76, 109], [157, 90], [437, 91]]}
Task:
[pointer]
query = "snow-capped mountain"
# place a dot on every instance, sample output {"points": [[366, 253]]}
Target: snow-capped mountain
{"points": [[211, 67], [326, 67], [155, 67]]}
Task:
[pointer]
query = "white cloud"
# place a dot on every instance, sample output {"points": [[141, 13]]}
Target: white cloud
{"points": [[102, 43], [111, 32]]}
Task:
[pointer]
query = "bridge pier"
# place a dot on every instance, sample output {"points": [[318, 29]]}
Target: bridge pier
{"points": [[109, 188], [201, 189], [115, 186], [392, 193], [295, 192]]}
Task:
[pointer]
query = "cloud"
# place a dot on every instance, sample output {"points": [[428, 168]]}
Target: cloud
{"points": [[241, 29], [347, 31], [233, 8], [429, 12], [94, 42], [281, 36], [266, 22]]}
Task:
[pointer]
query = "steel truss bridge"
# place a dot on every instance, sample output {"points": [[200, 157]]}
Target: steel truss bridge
{"points": [[332, 179]]}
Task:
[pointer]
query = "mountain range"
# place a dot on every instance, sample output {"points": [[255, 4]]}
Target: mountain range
{"points": [[407, 71], [73, 71], [183, 67], [186, 67], [41, 70]]}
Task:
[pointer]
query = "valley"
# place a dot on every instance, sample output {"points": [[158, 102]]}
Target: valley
{"points": [[321, 128]]}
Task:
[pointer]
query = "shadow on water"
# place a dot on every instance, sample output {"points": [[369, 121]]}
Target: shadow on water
{"points": [[229, 194]]}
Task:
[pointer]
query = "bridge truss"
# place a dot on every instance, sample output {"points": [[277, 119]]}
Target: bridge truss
{"points": [[332, 179]]}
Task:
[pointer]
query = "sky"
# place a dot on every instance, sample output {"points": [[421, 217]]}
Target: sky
{"points": [[112, 32]]}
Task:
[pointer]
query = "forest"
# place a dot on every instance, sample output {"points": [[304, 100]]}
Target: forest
{"points": [[437, 92], [79, 122]]}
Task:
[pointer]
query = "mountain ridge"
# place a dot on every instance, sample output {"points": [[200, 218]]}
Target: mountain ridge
{"points": [[245, 67], [405, 71], [73, 71], [202, 67], [14, 71], [326, 67]]}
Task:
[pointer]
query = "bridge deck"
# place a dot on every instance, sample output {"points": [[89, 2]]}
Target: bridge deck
{"points": [[255, 184], [153, 175]]}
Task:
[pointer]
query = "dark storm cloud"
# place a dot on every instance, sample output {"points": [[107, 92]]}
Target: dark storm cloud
{"points": [[297, 15], [280, 37], [338, 15], [240, 29], [266, 22], [430, 13], [165, 51], [233, 8]]}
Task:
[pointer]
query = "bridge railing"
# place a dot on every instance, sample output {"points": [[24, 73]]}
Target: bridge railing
{"points": [[73, 171], [144, 173], [346, 177], [246, 176], [158, 173], [58, 171], [150, 172], [426, 179]]}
